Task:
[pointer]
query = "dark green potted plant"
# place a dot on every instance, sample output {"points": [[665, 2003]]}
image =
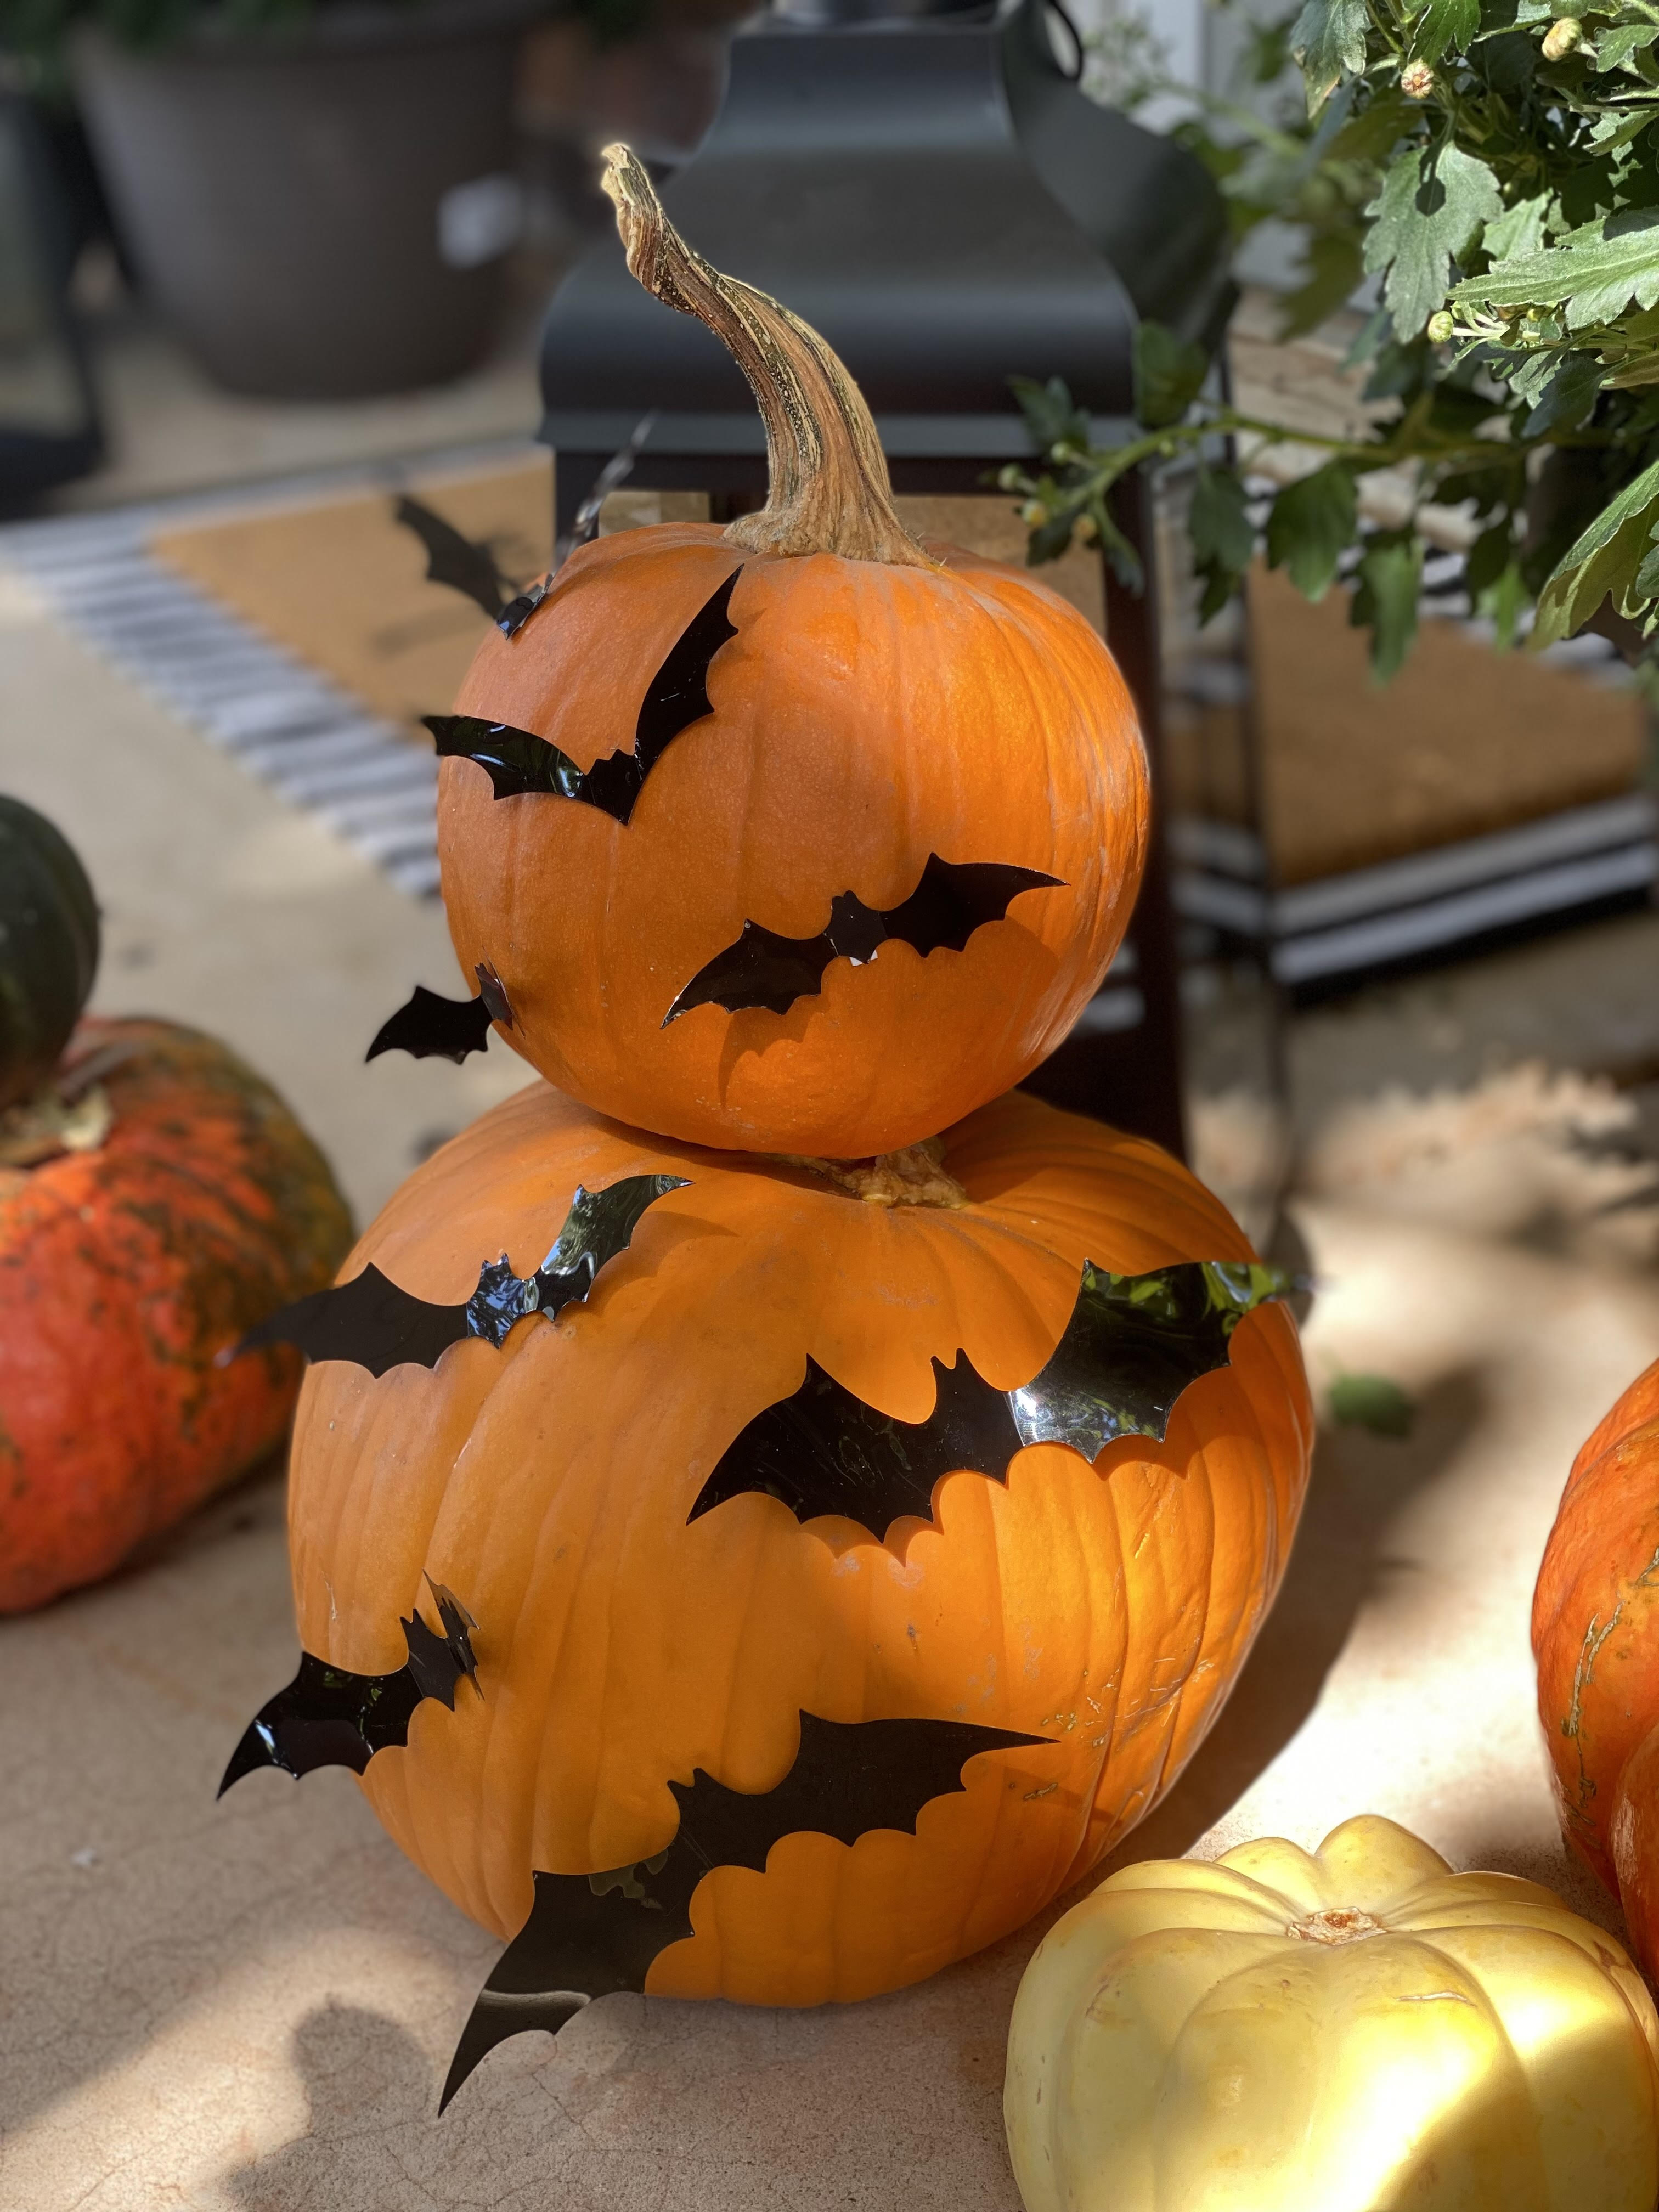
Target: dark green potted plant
{"points": [[318, 194]]}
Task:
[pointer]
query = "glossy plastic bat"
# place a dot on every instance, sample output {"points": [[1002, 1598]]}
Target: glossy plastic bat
{"points": [[590, 1934], [513, 616], [371, 1321], [461, 562], [327, 1716], [1132, 1345], [519, 762], [428, 1026], [950, 903]]}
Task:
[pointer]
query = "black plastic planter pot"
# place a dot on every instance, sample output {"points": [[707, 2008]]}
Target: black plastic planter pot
{"points": [[321, 215]]}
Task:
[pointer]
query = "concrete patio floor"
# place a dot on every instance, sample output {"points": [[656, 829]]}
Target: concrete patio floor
{"points": [[248, 2007]]}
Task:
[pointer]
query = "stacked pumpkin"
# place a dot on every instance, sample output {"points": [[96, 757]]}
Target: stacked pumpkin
{"points": [[772, 1556]]}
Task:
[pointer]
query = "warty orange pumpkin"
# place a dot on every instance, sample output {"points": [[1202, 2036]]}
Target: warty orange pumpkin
{"points": [[1595, 1634], [647, 1639], [796, 836], [127, 1268]]}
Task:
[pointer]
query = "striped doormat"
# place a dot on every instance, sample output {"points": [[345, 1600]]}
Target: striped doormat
{"points": [[282, 717]]}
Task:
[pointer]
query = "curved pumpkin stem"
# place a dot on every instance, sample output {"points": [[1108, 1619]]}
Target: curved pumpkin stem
{"points": [[830, 488]]}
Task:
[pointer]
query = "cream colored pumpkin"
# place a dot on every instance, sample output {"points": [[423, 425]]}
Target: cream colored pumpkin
{"points": [[1362, 2028]]}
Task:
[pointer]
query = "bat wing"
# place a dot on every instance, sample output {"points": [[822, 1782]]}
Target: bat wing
{"points": [[588, 1934], [761, 969], [368, 1319], [493, 992], [677, 695], [1132, 1345], [452, 559], [949, 903], [441, 1659], [517, 611], [600, 1226], [328, 1716], [825, 1450], [848, 1777], [428, 1026], [519, 762], [372, 1321]]}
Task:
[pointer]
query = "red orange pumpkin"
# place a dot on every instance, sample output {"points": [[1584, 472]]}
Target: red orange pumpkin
{"points": [[1595, 1633], [622, 1644], [126, 1270], [881, 711]]}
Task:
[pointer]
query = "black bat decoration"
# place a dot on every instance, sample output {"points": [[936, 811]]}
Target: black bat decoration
{"points": [[950, 903], [371, 1321], [428, 1026], [329, 1718], [512, 617], [452, 559], [1132, 1345], [519, 762], [591, 1933]]}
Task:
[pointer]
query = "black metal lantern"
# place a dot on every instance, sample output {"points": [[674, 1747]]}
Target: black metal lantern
{"points": [[937, 197]]}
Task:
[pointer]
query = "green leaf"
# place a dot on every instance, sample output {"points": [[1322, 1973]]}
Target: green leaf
{"points": [[1593, 272], [1312, 526], [1047, 540], [1503, 603], [1222, 535], [1614, 48], [1519, 229], [1390, 581], [1600, 564], [1646, 586], [1445, 27], [1372, 135], [1373, 1402], [1219, 522], [1168, 375], [1328, 39], [1050, 415], [1614, 129], [1565, 397], [1427, 215]]}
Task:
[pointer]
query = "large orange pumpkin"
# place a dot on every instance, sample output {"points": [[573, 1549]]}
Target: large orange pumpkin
{"points": [[866, 728], [623, 1639], [1595, 1633], [126, 1271]]}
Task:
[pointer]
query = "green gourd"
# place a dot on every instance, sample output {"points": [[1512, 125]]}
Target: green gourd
{"points": [[48, 947]]}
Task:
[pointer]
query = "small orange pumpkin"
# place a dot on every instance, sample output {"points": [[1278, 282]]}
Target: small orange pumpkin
{"points": [[920, 766], [1595, 1634], [623, 1639], [127, 1269]]}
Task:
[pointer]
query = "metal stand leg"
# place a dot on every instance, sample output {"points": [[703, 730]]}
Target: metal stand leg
{"points": [[1132, 1077]]}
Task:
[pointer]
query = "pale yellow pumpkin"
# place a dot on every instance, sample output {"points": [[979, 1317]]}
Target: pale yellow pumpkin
{"points": [[1345, 2031]]}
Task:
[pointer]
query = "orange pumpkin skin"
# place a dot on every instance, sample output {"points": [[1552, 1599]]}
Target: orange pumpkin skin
{"points": [[1109, 1607], [1595, 1634], [123, 1272], [865, 716]]}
